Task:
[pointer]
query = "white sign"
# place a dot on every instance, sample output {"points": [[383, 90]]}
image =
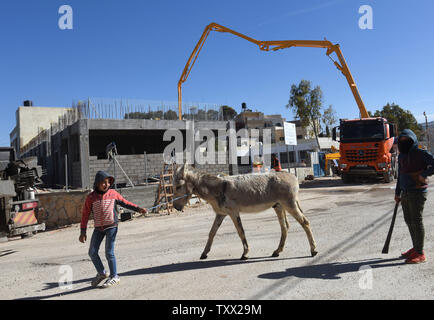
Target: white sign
{"points": [[290, 133]]}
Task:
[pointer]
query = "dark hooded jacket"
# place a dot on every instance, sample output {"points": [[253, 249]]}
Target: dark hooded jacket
{"points": [[101, 176], [410, 165]]}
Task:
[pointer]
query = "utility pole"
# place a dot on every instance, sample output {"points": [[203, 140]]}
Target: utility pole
{"points": [[427, 131]]}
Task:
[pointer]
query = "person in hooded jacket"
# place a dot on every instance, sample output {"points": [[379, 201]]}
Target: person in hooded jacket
{"points": [[102, 203], [414, 166]]}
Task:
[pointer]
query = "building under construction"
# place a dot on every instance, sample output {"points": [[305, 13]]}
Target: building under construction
{"points": [[74, 148]]}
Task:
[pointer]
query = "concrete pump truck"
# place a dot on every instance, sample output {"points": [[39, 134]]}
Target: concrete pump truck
{"points": [[366, 143]]}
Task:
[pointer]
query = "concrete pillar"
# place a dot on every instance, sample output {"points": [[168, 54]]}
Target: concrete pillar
{"points": [[83, 133], [231, 144], [70, 158], [297, 155]]}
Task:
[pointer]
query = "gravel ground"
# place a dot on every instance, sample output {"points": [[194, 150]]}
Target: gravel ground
{"points": [[158, 257]]}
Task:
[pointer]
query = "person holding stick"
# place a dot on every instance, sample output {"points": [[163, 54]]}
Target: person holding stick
{"points": [[414, 165]]}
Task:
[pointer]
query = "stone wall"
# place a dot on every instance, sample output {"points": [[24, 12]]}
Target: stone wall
{"points": [[64, 208], [61, 208]]}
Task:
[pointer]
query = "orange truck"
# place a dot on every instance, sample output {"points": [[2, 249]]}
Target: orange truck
{"points": [[366, 149]]}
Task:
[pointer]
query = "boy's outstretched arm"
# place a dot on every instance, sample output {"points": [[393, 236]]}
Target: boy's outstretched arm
{"points": [[128, 205]]}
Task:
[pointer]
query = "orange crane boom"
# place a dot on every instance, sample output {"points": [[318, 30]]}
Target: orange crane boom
{"points": [[273, 46]]}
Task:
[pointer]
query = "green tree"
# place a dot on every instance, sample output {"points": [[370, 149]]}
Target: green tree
{"points": [[228, 113], [170, 115], [212, 114], [329, 118], [135, 115], [404, 119], [306, 104]]}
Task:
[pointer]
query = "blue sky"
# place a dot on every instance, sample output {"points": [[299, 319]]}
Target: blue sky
{"points": [[138, 49]]}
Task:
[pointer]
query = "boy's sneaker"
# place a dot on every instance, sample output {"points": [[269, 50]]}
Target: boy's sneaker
{"points": [[408, 253], [416, 258], [110, 282], [99, 277]]}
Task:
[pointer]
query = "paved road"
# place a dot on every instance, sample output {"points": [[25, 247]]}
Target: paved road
{"points": [[158, 257]]}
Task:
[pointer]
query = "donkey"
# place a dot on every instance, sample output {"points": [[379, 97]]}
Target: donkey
{"points": [[231, 195]]}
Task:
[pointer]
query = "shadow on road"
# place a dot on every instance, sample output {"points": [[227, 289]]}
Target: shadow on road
{"points": [[330, 182], [6, 252], [330, 271], [203, 264], [62, 293], [55, 285], [321, 183], [174, 267]]}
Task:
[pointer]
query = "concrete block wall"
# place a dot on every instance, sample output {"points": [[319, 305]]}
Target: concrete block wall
{"points": [[154, 164], [76, 174], [216, 168], [134, 166], [143, 196], [243, 169]]}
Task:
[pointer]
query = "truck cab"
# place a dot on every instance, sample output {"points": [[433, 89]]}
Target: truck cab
{"points": [[367, 149]]}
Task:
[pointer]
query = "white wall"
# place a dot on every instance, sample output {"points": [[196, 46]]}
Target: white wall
{"points": [[30, 119]]}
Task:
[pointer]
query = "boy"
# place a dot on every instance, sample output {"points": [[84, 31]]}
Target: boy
{"points": [[415, 165], [102, 202]]}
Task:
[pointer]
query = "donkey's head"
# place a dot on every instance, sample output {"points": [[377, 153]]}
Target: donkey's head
{"points": [[181, 187]]}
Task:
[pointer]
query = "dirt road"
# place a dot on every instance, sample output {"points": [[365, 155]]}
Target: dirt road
{"points": [[158, 257]]}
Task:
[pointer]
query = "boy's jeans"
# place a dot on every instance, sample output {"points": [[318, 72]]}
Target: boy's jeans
{"points": [[412, 205], [95, 242]]}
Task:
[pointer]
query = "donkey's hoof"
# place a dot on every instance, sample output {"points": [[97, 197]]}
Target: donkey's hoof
{"points": [[314, 253], [203, 256], [244, 258], [275, 254]]}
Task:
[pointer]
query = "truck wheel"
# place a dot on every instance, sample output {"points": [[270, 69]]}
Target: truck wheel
{"points": [[346, 178], [27, 235]]}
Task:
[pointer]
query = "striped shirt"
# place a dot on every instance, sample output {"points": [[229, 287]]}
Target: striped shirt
{"points": [[103, 207]]}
